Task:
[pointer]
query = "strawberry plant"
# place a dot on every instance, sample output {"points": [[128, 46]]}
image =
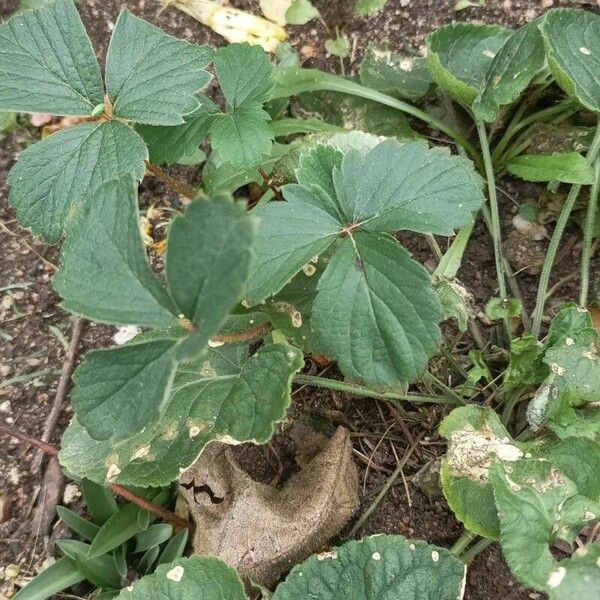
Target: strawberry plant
{"points": [[313, 265]]}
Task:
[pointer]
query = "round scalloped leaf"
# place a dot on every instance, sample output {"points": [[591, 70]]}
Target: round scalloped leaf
{"points": [[195, 578], [572, 39], [476, 439], [382, 567], [461, 55], [226, 395]]}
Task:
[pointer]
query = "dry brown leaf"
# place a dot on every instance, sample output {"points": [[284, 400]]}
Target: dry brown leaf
{"points": [[260, 530]]}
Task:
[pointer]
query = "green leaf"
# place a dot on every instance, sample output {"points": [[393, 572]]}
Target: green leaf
{"points": [[244, 73], [460, 56], [511, 71], [147, 561], [525, 367], [301, 12], [571, 167], [383, 566], [507, 308], [153, 536], [208, 259], [99, 570], [393, 73], [476, 439], [104, 261], [175, 548], [578, 576], [152, 77], [338, 46], [367, 6], [198, 577], [408, 186], [120, 391], [168, 145], [454, 299], [53, 178], [376, 311], [290, 234], [537, 505], [100, 501], [78, 524], [58, 577], [224, 395], [242, 135], [120, 528], [48, 64], [572, 39]]}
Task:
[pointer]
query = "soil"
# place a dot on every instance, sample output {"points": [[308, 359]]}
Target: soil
{"points": [[34, 331]]}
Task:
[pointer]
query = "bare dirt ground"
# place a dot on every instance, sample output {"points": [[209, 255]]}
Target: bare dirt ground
{"points": [[35, 332]]}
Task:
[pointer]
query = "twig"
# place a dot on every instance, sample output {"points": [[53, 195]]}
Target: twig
{"points": [[243, 336], [181, 188], [165, 514], [276, 191], [386, 488], [61, 392]]}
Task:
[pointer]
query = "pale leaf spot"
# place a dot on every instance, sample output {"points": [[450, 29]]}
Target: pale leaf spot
{"points": [[175, 574], [376, 556], [556, 577], [585, 50], [435, 556]]}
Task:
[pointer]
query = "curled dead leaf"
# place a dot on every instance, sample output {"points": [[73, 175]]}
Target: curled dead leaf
{"points": [[260, 530]]}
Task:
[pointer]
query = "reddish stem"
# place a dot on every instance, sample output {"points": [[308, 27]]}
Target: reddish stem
{"points": [[181, 188], [276, 191]]}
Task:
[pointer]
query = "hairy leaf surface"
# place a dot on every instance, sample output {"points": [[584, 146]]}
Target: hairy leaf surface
{"points": [[572, 39], [56, 176], [383, 566], [152, 77], [104, 261], [570, 167], [47, 63]]}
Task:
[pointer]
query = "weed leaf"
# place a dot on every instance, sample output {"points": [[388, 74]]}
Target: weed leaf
{"points": [[461, 55], [48, 64], [570, 167], [572, 39], [376, 567]]}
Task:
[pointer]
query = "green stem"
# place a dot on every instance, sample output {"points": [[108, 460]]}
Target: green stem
{"points": [[294, 81], [462, 543], [476, 549], [494, 213], [563, 219], [360, 390], [588, 236], [432, 379]]}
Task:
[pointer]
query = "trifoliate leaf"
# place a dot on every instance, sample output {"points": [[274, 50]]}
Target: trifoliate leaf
{"points": [[511, 71], [168, 145], [571, 167], [338, 46], [242, 135], [537, 505], [290, 234], [104, 261], [225, 395], [301, 12], [476, 440], [208, 256], [572, 39], [383, 566], [408, 186], [120, 391], [376, 311], [526, 366], [54, 177], [48, 64], [393, 73], [197, 577], [461, 55], [152, 77]]}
